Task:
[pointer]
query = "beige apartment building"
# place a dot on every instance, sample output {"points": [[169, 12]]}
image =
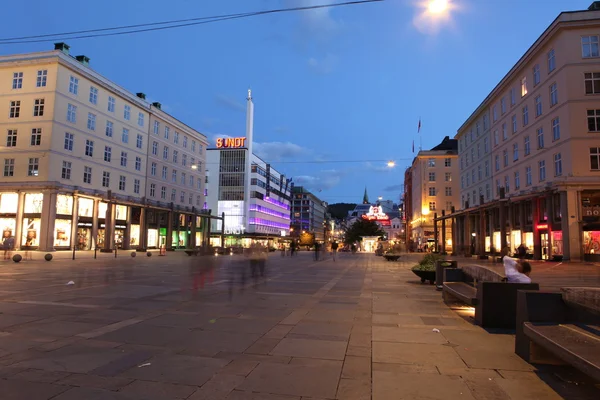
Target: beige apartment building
{"points": [[74, 156], [538, 150], [433, 192]]}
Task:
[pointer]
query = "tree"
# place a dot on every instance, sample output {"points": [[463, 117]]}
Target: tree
{"points": [[340, 210], [362, 228]]}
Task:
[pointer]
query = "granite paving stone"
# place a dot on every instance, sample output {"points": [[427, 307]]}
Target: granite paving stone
{"points": [[325, 349], [397, 386], [158, 390], [17, 390]]}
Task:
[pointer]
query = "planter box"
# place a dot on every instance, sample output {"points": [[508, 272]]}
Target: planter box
{"points": [[425, 276]]}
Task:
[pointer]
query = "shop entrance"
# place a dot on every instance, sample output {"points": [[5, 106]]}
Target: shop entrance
{"points": [[544, 244]]}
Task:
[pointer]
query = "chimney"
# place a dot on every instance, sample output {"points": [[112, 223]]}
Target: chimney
{"points": [[84, 60], [62, 47], [141, 95], [156, 104], [595, 6]]}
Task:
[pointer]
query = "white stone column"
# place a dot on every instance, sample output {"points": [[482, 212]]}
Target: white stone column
{"points": [[571, 225], [47, 221], [95, 224], [19, 221], [74, 221]]}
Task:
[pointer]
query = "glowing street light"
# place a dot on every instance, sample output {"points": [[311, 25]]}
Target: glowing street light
{"points": [[391, 164]]}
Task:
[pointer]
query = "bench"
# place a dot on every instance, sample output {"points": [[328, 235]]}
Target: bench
{"points": [[391, 257], [560, 327], [494, 299], [193, 252]]}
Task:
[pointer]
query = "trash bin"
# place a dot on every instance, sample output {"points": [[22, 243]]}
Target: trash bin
{"points": [[439, 271]]}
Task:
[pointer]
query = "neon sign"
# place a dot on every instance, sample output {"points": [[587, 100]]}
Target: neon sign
{"points": [[231, 143], [375, 214], [542, 226]]}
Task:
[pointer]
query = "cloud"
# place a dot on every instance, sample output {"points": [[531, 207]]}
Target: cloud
{"points": [[393, 188], [278, 151], [326, 179], [324, 65], [230, 103], [318, 22], [281, 129]]}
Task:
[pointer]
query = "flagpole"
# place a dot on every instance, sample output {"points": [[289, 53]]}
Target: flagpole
{"points": [[420, 136]]}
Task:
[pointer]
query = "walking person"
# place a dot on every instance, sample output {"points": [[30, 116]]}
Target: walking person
{"points": [[334, 248], [317, 251]]}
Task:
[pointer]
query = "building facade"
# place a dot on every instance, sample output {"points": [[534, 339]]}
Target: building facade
{"points": [[434, 192], [308, 213], [74, 156], [253, 197]]}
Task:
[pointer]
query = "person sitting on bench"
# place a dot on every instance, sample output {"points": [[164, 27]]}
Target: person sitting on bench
{"points": [[516, 271]]}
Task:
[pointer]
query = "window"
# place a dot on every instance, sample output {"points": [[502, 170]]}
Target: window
{"points": [[593, 118], [589, 46], [538, 106], [167, 131], [448, 190], [504, 132], [479, 174], [497, 186], [432, 206], [107, 153], [551, 61], [432, 191], [514, 124], [487, 191], [184, 159], [66, 170], [495, 113], [198, 201], [176, 138], [11, 138], [487, 169], [527, 146], [139, 140], [432, 177], [68, 141], [141, 119], [91, 122], [183, 178], [557, 164], [592, 82], [505, 157], [138, 163], [594, 160], [496, 138], [542, 168], [164, 173], [87, 175], [193, 146], [512, 97], [506, 184], [497, 159], [154, 148], [447, 162], [152, 189], [93, 95], [525, 116], [540, 138], [136, 186], [485, 122], [448, 177], [127, 112], [191, 181], [182, 197], [166, 152], [468, 180], [555, 129], [472, 155], [122, 181], [9, 167], [156, 127], [477, 128], [163, 193], [153, 169], [111, 104], [515, 151], [17, 80], [109, 129], [38, 107], [33, 167], [73, 85], [125, 135], [536, 74], [523, 86], [89, 148], [528, 176], [553, 95], [36, 136], [185, 141], [517, 181], [503, 105], [199, 185], [123, 159], [15, 109], [175, 155], [42, 75], [486, 145], [72, 113], [173, 194]]}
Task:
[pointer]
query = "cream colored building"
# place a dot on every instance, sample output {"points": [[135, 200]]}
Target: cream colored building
{"points": [[434, 192], [545, 146], [74, 153]]}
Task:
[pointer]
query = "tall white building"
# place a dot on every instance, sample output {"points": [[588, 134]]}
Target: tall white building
{"points": [[253, 196]]}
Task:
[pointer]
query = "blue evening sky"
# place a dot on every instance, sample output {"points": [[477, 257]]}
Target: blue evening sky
{"points": [[348, 83]]}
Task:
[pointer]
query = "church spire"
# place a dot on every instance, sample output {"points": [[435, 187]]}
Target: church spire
{"points": [[366, 197]]}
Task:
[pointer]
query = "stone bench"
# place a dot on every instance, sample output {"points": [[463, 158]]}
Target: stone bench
{"points": [[561, 327], [494, 299]]}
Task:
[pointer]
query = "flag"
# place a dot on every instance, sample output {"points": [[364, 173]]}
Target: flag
{"points": [[419, 127]]}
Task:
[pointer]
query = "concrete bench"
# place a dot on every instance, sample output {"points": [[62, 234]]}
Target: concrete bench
{"points": [[560, 327], [494, 299]]}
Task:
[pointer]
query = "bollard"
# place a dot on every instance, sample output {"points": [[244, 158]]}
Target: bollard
{"points": [[95, 251], [115, 251], [133, 254], [149, 254], [73, 252], [17, 258], [48, 257]]}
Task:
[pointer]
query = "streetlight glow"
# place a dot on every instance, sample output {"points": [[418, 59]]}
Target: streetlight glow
{"points": [[437, 6], [391, 164]]}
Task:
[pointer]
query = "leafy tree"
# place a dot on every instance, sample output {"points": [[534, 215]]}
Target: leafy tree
{"points": [[362, 228], [340, 210]]}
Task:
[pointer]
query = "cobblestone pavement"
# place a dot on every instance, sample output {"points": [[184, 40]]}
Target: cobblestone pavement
{"points": [[169, 328]]}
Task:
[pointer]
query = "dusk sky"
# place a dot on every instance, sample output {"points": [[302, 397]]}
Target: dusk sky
{"points": [[347, 83]]}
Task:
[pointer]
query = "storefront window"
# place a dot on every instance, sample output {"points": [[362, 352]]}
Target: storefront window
{"points": [[134, 236], [64, 204], [31, 232], [515, 240], [86, 207], [497, 243], [62, 232], [557, 243], [591, 242], [84, 236], [152, 237], [8, 227], [529, 241], [8, 203], [102, 207], [487, 244], [121, 212], [33, 203], [198, 238]]}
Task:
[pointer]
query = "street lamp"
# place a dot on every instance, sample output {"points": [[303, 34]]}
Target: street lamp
{"points": [[391, 164]]}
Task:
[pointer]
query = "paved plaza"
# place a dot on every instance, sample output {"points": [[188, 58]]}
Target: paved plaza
{"points": [[174, 328]]}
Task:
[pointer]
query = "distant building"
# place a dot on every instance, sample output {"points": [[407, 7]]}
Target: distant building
{"points": [[308, 214]]}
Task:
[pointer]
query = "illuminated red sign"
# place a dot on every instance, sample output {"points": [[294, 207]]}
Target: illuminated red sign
{"points": [[231, 143], [542, 226], [375, 214]]}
